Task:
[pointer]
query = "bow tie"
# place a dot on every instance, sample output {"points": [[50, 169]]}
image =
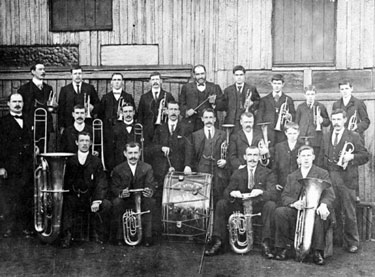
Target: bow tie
{"points": [[128, 125], [18, 116]]}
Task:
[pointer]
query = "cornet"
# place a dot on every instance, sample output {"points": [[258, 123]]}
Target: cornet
{"points": [[162, 105], [284, 116], [263, 144], [348, 148], [317, 117], [248, 101], [86, 104], [52, 102], [352, 125], [225, 144]]}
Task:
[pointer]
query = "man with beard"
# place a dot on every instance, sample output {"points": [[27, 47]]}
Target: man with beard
{"points": [[77, 92], [87, 184], [70, 135], [259, 184], [129, 175], [197, 96], [149, 104], [241, 140], [203, 154], [16, 160], [342, 161]]}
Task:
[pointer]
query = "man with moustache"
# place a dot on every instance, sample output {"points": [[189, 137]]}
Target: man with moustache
{"points": [[70, 134], [237, 96], [87, 184], [257, 181], [77, 92], [197, 96], [286, 215], [16, 168], [149, 104], [129, 175], [242, 139], [342, 166]]}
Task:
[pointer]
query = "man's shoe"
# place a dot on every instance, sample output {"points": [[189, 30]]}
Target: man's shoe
{"points": [[281, 255], [28, 233], [318, 258], [353, 249], [214, 249], [7, 234], [65, 242], [267, 251], [148, 242]]}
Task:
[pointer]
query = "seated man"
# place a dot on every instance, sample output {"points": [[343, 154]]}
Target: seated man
{"points": [[260, 183], [132, 174], [286, 216], [86, 181]]}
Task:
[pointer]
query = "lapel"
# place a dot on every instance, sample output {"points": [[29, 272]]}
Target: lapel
{"points": [[14, 124], [243, 138]]}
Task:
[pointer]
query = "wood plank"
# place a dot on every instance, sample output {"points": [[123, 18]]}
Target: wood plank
{"points": [[355, 33], [368, 29], [3, 18], [307, 39], [23, 11], [341, 33], [256, 41], [242, 33], [277, 32], [318, 30], [266, 35]]}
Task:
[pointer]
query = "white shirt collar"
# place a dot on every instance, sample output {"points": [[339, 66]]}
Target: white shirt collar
{"points": [[37, 82], [79, 127], [133, 168], [292, 145], [118, 91], [305, 171], [82, 157], [346, 100], [212, 130], [274, 93]]}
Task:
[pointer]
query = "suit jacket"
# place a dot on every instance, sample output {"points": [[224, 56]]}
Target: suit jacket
{"points": [[148, 111], [68, 98], [16, 145], [354, 105], [305, 120], [361, 156], [70, 136], [122, 177], [121, 137], [191, 97], [233, 102], [93, 179], [293, 188], [264, 179], [237, 147]]}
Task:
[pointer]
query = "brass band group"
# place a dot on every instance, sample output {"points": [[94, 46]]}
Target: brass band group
{"points": [[292, 170]]}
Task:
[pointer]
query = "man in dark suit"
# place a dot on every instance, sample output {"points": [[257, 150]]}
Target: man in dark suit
{"points": [[286, 215], [149, 104], [77, 92], [239, 97], [204, 153], [351, 105], [87, 184], [133, 174], [242, 139], [16, 167], [197, 96], [260, 183], [342, 163], [269, 109]]}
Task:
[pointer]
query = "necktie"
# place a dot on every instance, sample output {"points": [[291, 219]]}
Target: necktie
{"points": [[78, 90], [40, 86], [251, 179], [239, 89], [209, 134], [336, 141], [172, 129], [155, 96], [277, 97]]}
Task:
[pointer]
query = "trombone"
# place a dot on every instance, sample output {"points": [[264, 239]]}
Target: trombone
{"points": [[138, 131], [86, 104], [263, 144], [120, 116], [97, 127], [317, 117]]}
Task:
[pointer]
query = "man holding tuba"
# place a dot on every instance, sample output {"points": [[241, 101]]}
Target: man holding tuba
{"points": [[342, 152], [260, 182], [294, 200]]}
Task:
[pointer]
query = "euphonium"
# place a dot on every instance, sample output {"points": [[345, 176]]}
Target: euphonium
{"points": [[52, 102], [317, 116], [132, 221], [138, 131], [312, 191], [86, 104], [284, 115], [348, 148], [263, 145], [97, 127], [248, 101], [225, 144], [162, 105], [352, 125], [241, 229]]}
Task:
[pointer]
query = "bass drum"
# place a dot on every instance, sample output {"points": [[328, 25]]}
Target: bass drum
{"points": [[186, 205]]}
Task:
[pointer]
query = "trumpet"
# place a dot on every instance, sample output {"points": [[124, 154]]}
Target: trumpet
{"points": [[263, 145], [248, 101], [317, 117], [348, 148], [97, 127], [138, 131], [161, 116], [225, 144], [86, 104], [52, 102], [120, 116], [284, 116], [352, 125]]}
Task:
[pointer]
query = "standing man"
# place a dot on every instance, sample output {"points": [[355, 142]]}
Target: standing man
{"points": [[260, 183], [239, 97], [132, 174], [352, 105], [149, 106], [286, 215], [342, 165], [311, 117], [269, 109], [77, 92], [197, 96], [16, 167], [87, 184]]}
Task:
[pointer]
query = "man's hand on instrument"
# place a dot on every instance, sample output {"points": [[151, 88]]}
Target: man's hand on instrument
{"points": [[348, 157], [263, 151], [147, 193], [279, 187], [323, 211], [236, 194], [165, 150], [95, 206], [187, 170], [256, 192], [91, 107], [221, 163], [3, 173], [95, 153], [125, 193], [190, 112], [62, 130], [299, 205], [212, 99], [171, 169]]}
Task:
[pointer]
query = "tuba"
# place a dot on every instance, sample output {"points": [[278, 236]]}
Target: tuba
{"points": [[352, 125], [263, 145], [248, 101], [317, 116], [132, 221], [52, 102], [162, 105], [138, 131], [312, 190], [98, 140], [86, 104], [225, 144], [241, 229], [284, 115], [348, 148]]}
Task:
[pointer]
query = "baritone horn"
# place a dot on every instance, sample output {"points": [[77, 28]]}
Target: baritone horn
{"points": [[284, 116], [132, 221], [352, 125], [241, 229], [317, 117], [86, 104], [312, 191], [347, 148], [162, 106], [263, 144], [138, 131], [98, 140], [225, 144]]}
